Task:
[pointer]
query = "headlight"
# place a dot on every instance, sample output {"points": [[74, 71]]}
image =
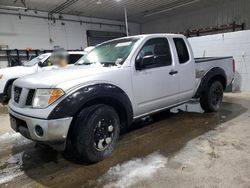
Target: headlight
{"points": [[45, 97], [1, 76]]}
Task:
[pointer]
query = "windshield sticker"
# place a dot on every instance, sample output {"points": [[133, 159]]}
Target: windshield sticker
{"points": [[123, 44]]}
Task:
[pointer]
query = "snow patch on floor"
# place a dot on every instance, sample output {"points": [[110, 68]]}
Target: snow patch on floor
{"points": [[16, 159], [12, 139], [131, 172], [11, 168], [8, 178], [9, 136]]}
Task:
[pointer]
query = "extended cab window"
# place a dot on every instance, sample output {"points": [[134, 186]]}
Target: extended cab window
{"points": [[182, 50], [155, 53]]}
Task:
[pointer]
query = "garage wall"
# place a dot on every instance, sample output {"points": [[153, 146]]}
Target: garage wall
{"points": [[236, 44], [219, 12], [36, 32]]}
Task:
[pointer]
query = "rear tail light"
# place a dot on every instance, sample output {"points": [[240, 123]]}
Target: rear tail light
{"points": [[234, 66]]}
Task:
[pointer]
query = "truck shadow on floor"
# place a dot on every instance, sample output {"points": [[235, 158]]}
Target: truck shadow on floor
{"points": [[164, 132]]}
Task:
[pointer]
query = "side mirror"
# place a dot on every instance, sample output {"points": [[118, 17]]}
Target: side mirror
{"points": [[145, 62], [40, 64]]}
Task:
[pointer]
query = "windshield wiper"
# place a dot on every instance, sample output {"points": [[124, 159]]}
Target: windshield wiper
{"points": [[86, 63], [105, 64], [109, 63]]}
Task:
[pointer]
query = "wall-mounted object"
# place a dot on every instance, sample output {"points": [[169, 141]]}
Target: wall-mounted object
{"points": [[212, 30]]}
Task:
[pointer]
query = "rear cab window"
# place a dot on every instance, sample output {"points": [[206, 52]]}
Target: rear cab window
{"points": [[182, 50]]}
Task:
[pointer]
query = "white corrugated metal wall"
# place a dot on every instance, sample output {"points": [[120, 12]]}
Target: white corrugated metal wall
{"points": [[236, 44], [32, 32]]}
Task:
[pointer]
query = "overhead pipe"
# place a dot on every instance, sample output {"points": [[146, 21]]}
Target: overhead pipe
{"points": [[61, 7]]}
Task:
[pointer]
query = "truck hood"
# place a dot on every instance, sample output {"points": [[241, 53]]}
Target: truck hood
{"points": [[54, 77]]}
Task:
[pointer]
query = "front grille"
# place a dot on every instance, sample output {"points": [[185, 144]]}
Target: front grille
{"points": [[17, 94], [30, 97]]}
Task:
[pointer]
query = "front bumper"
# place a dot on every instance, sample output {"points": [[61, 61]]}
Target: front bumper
{"points": [[54, 131]]}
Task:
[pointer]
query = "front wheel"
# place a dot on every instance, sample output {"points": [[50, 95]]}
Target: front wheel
{"points": [[211, 98], [95, 134]]}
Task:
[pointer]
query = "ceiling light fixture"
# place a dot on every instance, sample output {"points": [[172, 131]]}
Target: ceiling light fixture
{"points": [[99, 2], [171, 8]]}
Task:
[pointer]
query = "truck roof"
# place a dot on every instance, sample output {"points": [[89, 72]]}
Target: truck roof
{"points": [[158, 34], [148, 35]]}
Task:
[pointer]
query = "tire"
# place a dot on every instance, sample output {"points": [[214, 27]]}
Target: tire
{"points": [[94, 134], [211, 98]]}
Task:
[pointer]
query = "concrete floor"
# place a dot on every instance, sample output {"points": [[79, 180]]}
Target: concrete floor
{"points": [[186, 148]]}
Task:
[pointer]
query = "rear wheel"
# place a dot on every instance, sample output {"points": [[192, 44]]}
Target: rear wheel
{"points": [[211, 98], [95, 134]]}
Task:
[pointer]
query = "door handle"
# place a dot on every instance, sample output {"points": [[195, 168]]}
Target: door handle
{"points": [[173, 72]]}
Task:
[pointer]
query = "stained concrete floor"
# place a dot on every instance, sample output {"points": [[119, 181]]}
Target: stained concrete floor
{"points": [[185, 148]]}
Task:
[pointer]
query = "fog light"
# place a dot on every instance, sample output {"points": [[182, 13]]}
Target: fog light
{"points": [[39, 130]]}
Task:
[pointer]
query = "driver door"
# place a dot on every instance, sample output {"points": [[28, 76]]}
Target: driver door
{"points": [[156, 84]]}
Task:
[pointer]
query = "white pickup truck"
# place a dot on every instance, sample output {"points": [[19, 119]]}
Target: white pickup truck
{"points": [[38, 64], [82, 109]]}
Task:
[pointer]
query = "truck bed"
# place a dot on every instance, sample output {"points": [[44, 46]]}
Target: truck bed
{"points": [[205, 64]]}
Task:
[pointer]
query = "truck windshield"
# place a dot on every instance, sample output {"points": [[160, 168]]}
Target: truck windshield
{"points": [[110, 53], [36, 60]]}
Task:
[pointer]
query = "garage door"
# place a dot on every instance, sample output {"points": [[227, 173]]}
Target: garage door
{"points": [[97, 37]]}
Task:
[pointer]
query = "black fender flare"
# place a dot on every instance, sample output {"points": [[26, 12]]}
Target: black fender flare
{"points": [[214, 73], [94, 94], [11, 81]]}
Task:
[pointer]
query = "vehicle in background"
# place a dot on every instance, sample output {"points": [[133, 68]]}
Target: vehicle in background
{"points": [[82, 109], [40, 63]]}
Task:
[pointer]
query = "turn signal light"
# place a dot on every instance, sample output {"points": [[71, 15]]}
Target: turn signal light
{"points": [[55, 94]]}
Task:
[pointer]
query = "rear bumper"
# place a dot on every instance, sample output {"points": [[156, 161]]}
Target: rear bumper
{"points": [[53, 131]]}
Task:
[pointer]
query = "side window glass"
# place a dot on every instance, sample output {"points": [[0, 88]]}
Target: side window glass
{"points": [[73, 58], [155, 53], [182, 50], [47, 62]]}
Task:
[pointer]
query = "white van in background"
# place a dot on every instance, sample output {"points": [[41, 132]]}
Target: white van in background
{"points": [[38, 64]]}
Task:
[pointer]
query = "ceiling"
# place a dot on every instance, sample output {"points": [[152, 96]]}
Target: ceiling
{"points": [[138, 10]]}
